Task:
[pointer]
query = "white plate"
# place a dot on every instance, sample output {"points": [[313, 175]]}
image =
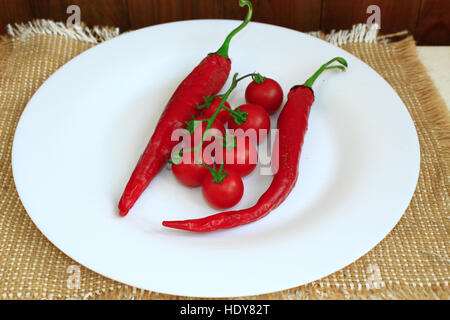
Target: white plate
{"points": [[80, 137]]}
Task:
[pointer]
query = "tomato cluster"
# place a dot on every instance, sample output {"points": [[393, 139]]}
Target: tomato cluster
{"points": [[220, 172]]}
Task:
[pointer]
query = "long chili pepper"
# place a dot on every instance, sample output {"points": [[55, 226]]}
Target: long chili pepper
{"points": [[292, 125], [205, 80]]}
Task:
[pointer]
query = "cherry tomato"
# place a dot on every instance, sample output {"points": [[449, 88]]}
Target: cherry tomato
{"points": [[223, 115], [242, 159], [267, 94], [189, 172], [257, 119], [223, 195]]}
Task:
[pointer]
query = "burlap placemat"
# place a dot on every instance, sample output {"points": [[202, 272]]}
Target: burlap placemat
{"points": [[412, 262]]}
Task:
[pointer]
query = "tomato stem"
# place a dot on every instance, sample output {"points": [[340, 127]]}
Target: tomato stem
{"points": [[218, 176], [259, 78], [237, 115], [224, 98], [208, 102]]}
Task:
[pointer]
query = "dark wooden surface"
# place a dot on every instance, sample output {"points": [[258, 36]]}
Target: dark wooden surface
{"points": [[427, 20], [433, 25]]}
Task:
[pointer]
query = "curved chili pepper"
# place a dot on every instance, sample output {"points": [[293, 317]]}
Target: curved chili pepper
{"points": [[292, 125], [205, 80]]}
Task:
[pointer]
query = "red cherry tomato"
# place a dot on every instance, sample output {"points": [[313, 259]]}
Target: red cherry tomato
{"points": [[267, 94], [257, 119], [189, 172], [223, 115], [223, 195], [242, 159]]}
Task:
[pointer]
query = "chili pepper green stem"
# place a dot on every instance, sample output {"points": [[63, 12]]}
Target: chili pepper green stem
{"points": [[324, 67], [223, 50]]}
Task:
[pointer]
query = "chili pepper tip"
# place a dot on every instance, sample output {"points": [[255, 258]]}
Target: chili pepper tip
{"points": [[174, 224], [123, 213]]}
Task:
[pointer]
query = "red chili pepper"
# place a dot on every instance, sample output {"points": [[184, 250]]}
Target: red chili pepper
{"points": [[205, 80], [292, 126]]}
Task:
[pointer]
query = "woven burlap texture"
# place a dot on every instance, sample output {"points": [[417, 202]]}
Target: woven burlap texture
{"points": [[412, 262]]}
